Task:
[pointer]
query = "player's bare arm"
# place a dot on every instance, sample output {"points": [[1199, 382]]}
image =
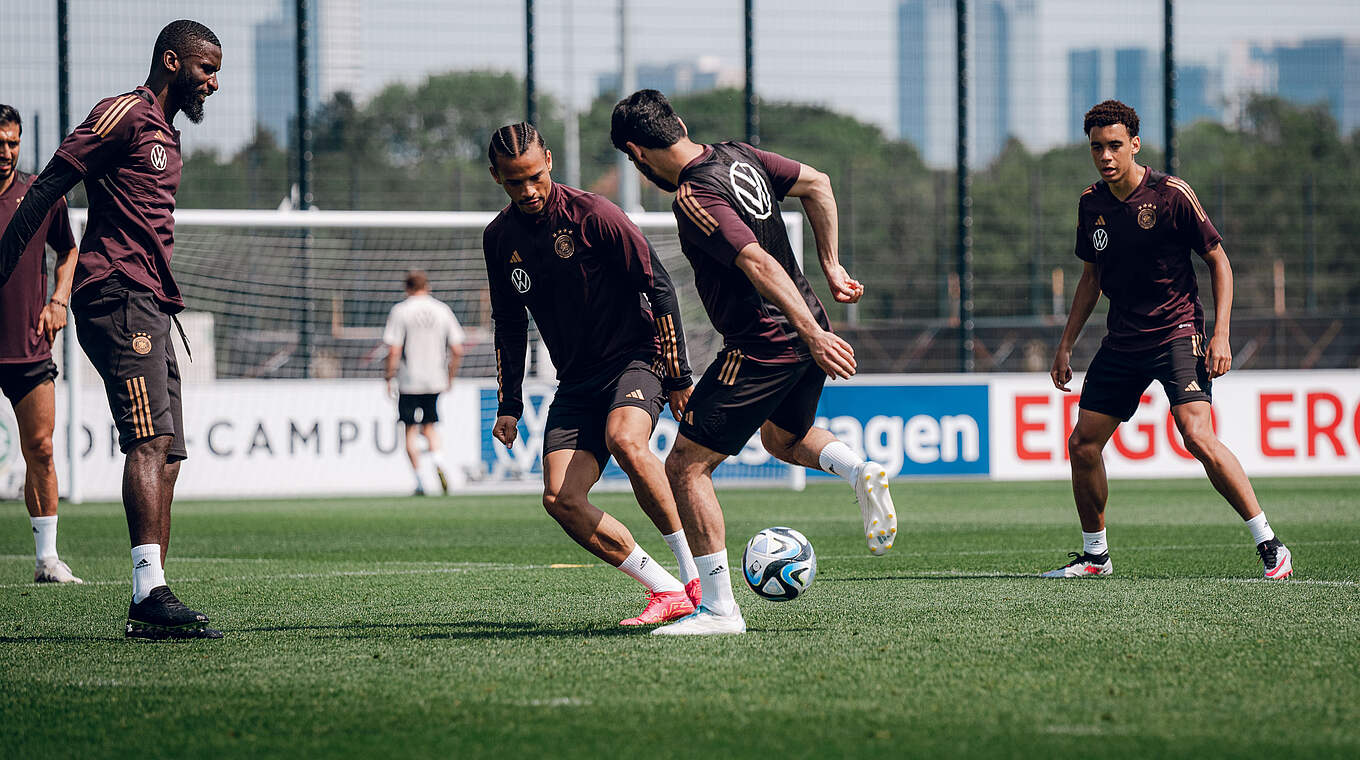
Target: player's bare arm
{"points": [[813, 188], [830, 351], [1083, 302], [1218, 358], [53, 316], [456, 353], [390, 365]]}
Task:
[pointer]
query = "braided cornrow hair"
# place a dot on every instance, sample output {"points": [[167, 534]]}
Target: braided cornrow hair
{"points": [[514, 140]]}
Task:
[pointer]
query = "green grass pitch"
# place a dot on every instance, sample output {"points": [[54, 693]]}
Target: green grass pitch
{"points": [[471, 626]]}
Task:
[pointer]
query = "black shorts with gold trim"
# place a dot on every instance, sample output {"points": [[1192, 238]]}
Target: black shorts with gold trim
{"points": [[579, 412], [1115, 381], [127, 338], [738, 394]]}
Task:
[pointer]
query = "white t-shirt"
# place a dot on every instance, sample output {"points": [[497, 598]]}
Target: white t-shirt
{"points": [[424, 327]]}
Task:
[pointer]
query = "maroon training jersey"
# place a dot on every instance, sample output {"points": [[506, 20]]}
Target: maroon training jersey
{"points": [[129, 155], [595, 287], [1142, 246], [729, 198], [22, 298]]}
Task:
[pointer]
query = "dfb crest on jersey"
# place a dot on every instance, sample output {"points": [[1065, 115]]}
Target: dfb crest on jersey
{"points": [[751, 191], [563, 245], [158, 157], [1099, 239], [520, 279], [1147, 216]]}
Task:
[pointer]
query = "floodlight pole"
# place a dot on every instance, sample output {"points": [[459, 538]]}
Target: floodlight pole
{"points": [[302, 44], [965, 197], [1169, 85], [530, 101], [752, 102], [630, 189]]}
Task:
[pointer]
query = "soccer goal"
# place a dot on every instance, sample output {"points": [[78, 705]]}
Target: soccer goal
{"points": [[291, 304]]}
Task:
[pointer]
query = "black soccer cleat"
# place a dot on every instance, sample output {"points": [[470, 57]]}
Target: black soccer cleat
{"points": [[161, 615], [1278, 561], [1083, 565]]}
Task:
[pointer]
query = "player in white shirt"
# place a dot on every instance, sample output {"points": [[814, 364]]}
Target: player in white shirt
{"points": [[424, 348]]}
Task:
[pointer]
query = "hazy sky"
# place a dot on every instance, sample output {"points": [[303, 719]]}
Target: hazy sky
{"points": [[844, 58]]}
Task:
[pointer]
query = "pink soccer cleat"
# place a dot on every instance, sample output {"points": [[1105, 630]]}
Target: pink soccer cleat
{"points": [[662, 606], [695, 591]]}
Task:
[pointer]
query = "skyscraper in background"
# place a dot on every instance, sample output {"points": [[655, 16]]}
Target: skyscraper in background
{"points": [[1002, 82], [334, 59], [1083, 88], [1325, 71]]}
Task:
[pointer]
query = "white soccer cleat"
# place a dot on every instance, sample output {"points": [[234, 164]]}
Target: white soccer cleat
{"points": [[53, 571], [1276, 558], [876, 507], [704, 623], [1083, 566]]}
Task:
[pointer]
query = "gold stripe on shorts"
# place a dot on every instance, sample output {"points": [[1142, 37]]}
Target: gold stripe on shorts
{"points": [[728, 374]]}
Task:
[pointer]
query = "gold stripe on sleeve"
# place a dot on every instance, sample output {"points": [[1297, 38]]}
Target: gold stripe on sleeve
{"points": [[1189, 193], [109, 112], [695, 211], [114, 115]]}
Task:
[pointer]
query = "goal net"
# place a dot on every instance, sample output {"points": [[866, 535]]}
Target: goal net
{"points": [[298, 300]]}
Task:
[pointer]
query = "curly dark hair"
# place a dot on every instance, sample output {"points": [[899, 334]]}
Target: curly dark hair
{"points": [[1109, 113]]}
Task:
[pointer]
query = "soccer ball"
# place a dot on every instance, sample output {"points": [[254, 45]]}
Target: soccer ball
{"points": [[779, 564]]}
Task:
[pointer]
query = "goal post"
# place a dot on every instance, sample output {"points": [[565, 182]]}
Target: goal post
{"points": [[299, 299]]}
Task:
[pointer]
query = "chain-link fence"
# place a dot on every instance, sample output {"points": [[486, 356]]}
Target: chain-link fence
{"points": [[406, 94]]}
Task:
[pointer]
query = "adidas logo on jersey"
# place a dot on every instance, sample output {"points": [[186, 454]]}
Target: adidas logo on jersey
{"points": [[637, 394], [515, 258], [1100, 219], [1193, 386]]}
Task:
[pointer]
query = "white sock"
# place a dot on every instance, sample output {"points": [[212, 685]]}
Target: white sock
{"points": [[839, 459], [147, 572], [716, 581], [437, 456], [44, 537], [1260, 529], [1094, 543], [680, 548], [640, 566]]}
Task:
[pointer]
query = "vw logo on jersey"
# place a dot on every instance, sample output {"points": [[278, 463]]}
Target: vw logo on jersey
{"points": [[751, 191], [158, 158], [1100, 239], [520, 279]]}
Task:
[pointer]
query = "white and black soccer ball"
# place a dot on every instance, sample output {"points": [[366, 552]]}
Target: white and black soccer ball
{"points": [[779, 564]]}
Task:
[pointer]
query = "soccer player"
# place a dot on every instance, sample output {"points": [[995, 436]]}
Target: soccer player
{"points": [[1136, 229], [424, 348], [127, 152], [30, 321], [778, 348], [606, 309]]}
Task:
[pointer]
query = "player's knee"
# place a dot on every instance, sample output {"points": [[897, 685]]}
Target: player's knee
{"points": [[628, 450], [1083, 450], [1199, 441], [559, 505], [37, 450]]}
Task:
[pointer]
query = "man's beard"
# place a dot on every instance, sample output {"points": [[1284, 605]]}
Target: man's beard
{"points": [[655, 178], [186, 99]]}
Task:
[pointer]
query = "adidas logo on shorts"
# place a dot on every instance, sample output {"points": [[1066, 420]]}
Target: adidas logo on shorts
{"points": [[637, 394], [1193, 386]]}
